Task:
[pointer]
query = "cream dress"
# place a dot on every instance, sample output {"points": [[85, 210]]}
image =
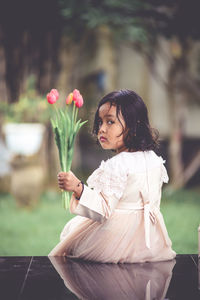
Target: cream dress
{"points": [[119, 218]]}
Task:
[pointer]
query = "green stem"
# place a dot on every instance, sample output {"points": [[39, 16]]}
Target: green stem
{"points": [[76, 114], [66, 196], [69, 159], [56, 109], [73, 112]]}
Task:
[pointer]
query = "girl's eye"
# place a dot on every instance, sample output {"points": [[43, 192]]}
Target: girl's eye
{"points": [[110, 122]]}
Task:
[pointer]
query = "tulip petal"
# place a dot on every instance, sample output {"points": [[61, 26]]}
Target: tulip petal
{"points": [[55, 92], [76, 94], [79, 101], [69, 99], [51, 98]]}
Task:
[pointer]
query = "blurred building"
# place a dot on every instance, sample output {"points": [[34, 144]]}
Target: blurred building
{"points": [[109, 66], [99, 64]]}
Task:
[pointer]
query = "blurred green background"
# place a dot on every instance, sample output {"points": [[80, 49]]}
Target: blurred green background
{"points": [[97, 47], [37, 231]]}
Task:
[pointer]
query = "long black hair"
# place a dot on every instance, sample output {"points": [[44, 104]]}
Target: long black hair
{"points": [[138, 134]]}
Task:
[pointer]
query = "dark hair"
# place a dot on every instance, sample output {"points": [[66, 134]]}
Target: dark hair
{"points": [[138, 135]]}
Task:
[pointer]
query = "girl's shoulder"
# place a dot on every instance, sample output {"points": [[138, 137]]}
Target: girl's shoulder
{"points": [[113, 165], [112, 174], [131, 162], [110, 177]]}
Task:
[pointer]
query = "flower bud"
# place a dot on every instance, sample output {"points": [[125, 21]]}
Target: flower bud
{"points": [[69, 99], [51, 98], [77, 97], [76, 94], [55, 92], [79, 101]]}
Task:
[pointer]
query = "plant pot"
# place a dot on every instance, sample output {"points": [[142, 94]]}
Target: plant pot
{"points": [[23, 138], [24, 141]]}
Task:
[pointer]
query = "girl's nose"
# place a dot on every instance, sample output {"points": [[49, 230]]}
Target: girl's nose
{"points": [[102, 128]]}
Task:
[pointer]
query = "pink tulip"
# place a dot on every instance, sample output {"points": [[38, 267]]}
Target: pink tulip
{"points": [[79, 101], [69, 99], [77, 97], [51, 98], [55, 92], [76, 94]]}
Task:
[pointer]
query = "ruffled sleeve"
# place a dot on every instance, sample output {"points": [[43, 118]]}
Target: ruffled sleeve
{"points": [[105, 187], [164, 175], [110, 178]]}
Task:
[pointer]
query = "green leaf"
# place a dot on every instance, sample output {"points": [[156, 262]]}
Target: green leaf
{"points": [[77, 125], [68, 122], [53, 123], [81, 124], [58, 142]]}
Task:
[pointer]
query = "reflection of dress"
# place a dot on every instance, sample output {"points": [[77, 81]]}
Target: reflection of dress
{"points": [[119, 213], [110, 281]]}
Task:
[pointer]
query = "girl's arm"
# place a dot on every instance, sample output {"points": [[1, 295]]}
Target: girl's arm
{"points": [[69, 182], [94, 205], [86, 201]]}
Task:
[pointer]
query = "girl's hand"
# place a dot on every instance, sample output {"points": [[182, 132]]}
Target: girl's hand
{"points": [[69, 182]]}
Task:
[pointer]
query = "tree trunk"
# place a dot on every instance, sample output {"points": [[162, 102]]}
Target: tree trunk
{"points": [[175, 140], [177, 99], [3, 90]]}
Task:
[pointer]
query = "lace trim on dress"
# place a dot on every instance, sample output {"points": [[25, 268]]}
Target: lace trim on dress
{"points": [[109, 178], [164, 175]]}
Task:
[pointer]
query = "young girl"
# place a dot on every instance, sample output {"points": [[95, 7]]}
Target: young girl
{"points": [[119, 209]]}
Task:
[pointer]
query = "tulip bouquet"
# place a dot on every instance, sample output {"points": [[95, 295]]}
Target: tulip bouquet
{"points": [[65, 127]]}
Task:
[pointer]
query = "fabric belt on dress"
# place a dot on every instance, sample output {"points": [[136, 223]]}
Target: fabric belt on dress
{"points": [[151, 213]]}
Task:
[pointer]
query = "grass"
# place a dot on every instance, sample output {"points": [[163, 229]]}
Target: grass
{"points": [[181, 212], [31, 232], [36, 232]]}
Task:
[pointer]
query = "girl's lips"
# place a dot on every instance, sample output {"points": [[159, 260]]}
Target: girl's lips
{"points": [[102, 139]]}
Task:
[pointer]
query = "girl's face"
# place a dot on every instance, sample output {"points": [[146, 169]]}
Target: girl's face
{"points": [[110, 134]]}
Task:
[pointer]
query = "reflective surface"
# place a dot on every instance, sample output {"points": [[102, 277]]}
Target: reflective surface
{"points": [[61, 278]]}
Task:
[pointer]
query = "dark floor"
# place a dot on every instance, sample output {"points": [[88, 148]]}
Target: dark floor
{"points": [[58, 278]]}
